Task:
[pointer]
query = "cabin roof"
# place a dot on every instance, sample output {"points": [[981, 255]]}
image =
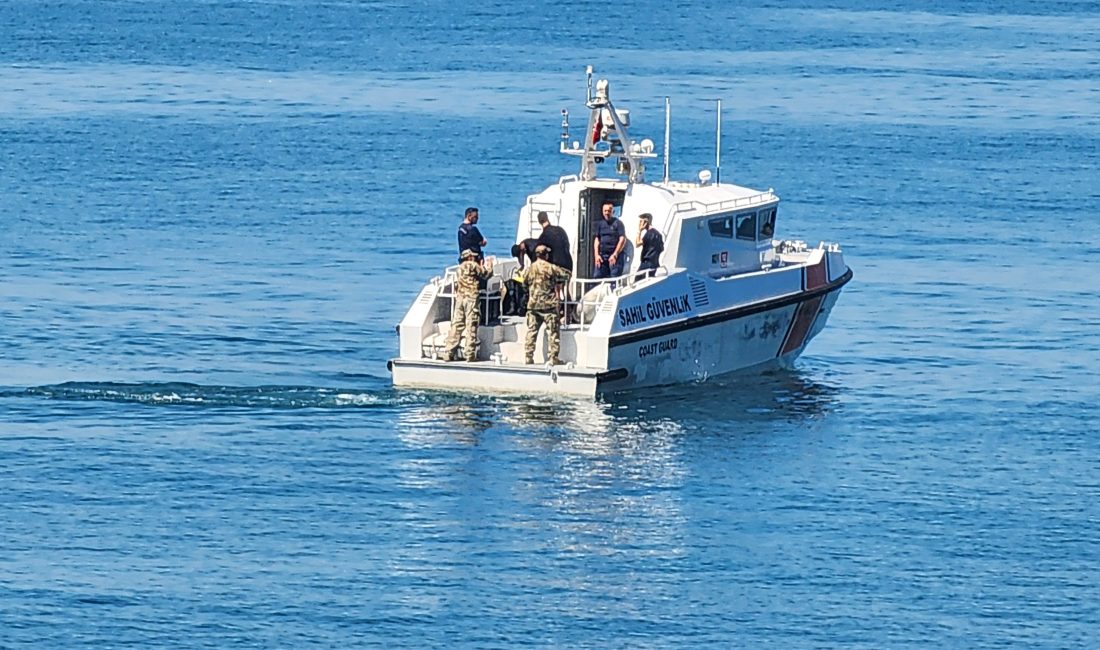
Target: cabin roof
{"points": [[683, 198]]}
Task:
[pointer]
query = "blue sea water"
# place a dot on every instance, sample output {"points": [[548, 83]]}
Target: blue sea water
{"points": [[213, 213]]}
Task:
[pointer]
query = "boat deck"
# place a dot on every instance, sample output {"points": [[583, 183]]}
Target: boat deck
{"points": [[499, 377]]}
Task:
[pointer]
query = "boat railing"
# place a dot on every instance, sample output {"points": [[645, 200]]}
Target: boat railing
{"points": [[581, 297], [706, 208], [491, 297]]}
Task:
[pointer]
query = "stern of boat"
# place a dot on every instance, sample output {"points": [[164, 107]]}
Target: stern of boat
{"points": [[499, 364]]}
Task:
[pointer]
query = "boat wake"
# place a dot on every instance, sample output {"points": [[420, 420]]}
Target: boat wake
{"points": [[783, 393], [180, 394]]}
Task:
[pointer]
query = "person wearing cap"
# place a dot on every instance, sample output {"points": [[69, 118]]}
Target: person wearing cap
{"points": [[543, 304], [466, 313], [525, 248]]}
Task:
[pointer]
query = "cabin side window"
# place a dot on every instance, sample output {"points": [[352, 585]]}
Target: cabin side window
{"points": [[721, 227], [746, 226], [767, 223]]}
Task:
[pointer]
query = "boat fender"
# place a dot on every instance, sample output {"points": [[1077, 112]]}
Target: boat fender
{"points": [[554, 375]]}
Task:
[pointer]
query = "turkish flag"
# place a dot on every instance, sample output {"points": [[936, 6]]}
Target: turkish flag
{"points": [[596, 131]]}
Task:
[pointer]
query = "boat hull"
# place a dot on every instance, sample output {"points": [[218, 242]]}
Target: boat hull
{"points": [[759, 335]]}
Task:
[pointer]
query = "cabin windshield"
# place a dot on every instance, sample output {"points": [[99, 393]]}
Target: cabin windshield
{"points": [[746, 226], [767, 223], [721, 227]]}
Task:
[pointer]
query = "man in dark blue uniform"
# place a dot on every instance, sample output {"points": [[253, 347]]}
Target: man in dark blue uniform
{"points": [[608, 243], [651, 243], [469, 237]]}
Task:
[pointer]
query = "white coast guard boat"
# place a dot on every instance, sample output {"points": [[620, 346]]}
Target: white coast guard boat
{"points": [[728, 296]]}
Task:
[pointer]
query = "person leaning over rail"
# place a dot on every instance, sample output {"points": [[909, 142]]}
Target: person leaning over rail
{"points": [[525, 249], [543, 304], [466, 312]]}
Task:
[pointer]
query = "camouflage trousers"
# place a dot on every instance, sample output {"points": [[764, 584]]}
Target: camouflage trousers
{"points": [[535, 319], [463, 319]]}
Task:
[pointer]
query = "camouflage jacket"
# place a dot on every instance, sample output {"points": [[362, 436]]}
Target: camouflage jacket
{"points": [[542, 276], [467, 277]]}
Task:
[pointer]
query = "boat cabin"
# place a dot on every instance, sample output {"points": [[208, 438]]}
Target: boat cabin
{"points": [[713, 230], [726, 295]]}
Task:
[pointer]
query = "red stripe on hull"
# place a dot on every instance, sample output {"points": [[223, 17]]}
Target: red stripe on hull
{"points": [[803, 320], [816, 275]]}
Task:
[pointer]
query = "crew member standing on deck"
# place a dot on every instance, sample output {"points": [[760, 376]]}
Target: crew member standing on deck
{"points": [[608, 244], [652, 244], [543, 304], [469, 237], [554, 238], [466, 313]]}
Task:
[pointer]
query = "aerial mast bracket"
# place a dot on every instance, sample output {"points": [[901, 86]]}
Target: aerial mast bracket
{"points": [[609, 125]]}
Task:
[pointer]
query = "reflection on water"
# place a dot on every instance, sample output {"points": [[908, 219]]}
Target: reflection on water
{"points": [[600, 477], [618, 478], [780, 395], [623, 420]]}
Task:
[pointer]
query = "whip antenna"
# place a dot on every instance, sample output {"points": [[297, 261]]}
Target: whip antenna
{"points": [[718, 147], [668, 113]]}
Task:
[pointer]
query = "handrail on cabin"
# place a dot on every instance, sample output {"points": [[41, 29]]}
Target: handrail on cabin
{"points": [[720, 206]]}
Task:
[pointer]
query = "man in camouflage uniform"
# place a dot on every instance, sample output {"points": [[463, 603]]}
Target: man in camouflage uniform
{"points": [[543, 304], [466, 313]]}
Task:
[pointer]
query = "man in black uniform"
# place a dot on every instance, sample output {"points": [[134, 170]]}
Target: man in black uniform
{"points": [[554, 238], [651, 243]]}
